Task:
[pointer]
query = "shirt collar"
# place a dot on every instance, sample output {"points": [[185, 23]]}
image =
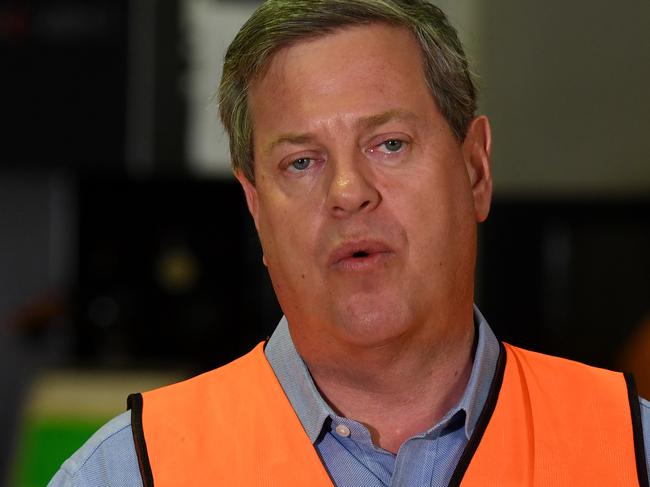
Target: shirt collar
{"points": [[295, 379], [483, 370], [313, 411]]}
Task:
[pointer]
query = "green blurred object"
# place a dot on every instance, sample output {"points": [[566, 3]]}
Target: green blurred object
{"points": [[47, 443]]}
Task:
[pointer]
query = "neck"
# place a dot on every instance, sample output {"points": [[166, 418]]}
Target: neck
{"points": [[397, 390]]}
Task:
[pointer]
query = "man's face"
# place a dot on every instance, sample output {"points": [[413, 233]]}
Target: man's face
{"points": [[365, 202]]}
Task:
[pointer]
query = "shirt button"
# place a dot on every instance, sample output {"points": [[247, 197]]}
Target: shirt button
{"points": [[343, 430]]}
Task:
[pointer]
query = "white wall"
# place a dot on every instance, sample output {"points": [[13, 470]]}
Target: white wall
{"points": [[210, 26]]}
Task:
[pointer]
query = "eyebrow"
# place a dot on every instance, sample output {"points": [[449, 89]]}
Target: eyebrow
{"points": [[365, 123], [373, 121], [289, 139]]}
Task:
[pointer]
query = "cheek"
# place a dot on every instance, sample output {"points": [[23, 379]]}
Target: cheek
{"points": [[286, 236], [436, 212]]}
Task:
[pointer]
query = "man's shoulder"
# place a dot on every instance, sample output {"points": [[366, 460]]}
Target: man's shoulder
{"points": [[645, 418], [232, 378], [107, 458], [560, 370], [645, 421]]}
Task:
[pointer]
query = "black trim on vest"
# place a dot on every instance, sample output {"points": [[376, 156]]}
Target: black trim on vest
{"points": [[135, 404], [637, 429], [483, 420]]}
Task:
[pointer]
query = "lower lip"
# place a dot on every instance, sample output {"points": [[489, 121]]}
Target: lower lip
{"points": [[369, 262]]}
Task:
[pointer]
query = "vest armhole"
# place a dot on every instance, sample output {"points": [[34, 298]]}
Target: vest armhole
{"points": [[637, 429], [483, 420], [135, 404]]}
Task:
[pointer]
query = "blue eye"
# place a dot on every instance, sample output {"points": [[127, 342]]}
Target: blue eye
{"points": [[301, 164], [393, 145]]}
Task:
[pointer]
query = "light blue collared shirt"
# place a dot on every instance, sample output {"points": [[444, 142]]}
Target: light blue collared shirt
{"points": [[351, 458], [108, 458]]}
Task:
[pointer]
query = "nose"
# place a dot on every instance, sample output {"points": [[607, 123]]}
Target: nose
{"points": [[352, 188]]}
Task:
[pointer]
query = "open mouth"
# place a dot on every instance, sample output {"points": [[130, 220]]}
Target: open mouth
{"points": [[360, 253]]}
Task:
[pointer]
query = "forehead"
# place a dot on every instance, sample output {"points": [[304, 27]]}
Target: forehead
{"points": [[367, 69]]}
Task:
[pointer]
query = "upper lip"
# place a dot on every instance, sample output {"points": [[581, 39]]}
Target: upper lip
{"points": [[348, 249]]}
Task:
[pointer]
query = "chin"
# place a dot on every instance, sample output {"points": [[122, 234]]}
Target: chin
{"points": [[365, 322]]}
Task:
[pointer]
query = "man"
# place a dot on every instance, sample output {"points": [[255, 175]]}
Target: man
{"points": [[353, 135]]}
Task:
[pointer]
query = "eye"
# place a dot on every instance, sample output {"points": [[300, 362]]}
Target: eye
{"points": [[389, 147], [392, 145], [301, 164]]}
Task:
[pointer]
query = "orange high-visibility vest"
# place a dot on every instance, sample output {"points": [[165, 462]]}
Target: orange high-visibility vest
{"points": [[547, 422]]}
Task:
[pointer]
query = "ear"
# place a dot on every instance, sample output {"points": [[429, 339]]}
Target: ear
{"points": [[252, 199], [476, 149]]}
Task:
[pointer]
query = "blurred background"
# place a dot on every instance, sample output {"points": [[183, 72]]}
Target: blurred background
{"points": [[127, 258]]}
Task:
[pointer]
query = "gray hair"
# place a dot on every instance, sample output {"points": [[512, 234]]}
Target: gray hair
{"points": [[280, 23]]}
